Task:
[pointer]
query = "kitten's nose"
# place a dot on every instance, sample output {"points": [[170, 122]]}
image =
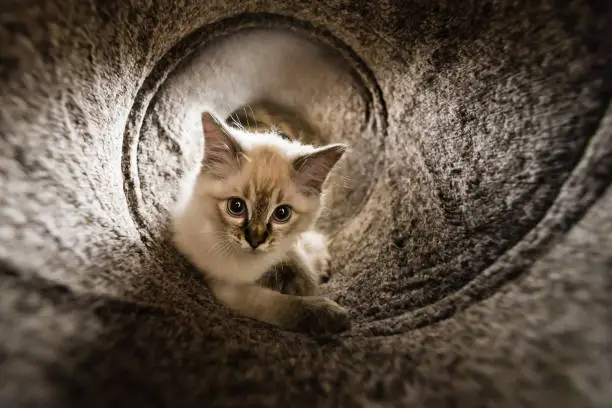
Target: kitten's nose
{"points": [[256, 235]]}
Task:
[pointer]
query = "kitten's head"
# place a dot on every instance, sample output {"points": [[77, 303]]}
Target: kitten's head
{"points": [[260, 191]]}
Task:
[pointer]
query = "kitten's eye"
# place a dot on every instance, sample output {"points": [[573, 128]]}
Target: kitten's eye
{"points": [[236, 206], [282, 213]]}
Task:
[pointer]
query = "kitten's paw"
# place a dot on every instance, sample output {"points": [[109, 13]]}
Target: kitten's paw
{"points": [[315, 245], [322, 316]]}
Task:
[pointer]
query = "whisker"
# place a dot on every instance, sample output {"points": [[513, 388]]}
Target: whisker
{"points": [[236, 121], [246, 116]]}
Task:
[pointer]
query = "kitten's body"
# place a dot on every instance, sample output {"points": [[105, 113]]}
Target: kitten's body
{"points": [[236, 249]]}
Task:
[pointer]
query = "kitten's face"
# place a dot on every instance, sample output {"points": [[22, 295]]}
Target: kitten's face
{"points": [[259, 198], [260, 208]]}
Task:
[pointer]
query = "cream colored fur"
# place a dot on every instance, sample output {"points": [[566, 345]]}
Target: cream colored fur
{"points": [[212, 240]]}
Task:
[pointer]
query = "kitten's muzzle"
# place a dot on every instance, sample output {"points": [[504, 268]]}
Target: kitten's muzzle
{"points": [[256, 234]]}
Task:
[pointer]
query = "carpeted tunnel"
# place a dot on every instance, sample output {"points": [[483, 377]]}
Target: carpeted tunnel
{"points": [[471, 222]]}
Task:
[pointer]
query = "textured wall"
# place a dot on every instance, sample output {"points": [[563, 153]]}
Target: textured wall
{"points": [[471, 221]]}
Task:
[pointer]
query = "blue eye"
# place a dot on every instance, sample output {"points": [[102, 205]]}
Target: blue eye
{"points": [[236, 206], [282, 213]]}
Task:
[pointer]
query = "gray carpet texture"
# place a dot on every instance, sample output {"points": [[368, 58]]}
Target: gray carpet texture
{"points": [[471, 224]]}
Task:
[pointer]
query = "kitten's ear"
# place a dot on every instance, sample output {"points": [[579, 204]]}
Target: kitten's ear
{"points": [[222, 152], [312, 169]]}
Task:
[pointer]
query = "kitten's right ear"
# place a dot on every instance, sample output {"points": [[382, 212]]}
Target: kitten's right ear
{"points": [[312, 169], [222, 153]]}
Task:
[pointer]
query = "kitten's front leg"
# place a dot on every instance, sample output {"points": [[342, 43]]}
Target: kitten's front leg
{"points": [[313, 314], [306, 265], [299, 277], [291, 278]]}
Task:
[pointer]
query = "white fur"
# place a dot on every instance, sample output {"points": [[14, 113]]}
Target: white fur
{"points": [[313, 246], [196, 232], [289, 148]]}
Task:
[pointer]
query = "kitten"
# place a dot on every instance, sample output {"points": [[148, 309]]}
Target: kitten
{"points": [[251, 209]]}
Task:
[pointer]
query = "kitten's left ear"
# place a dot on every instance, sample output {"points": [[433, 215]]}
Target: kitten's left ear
{"points": [[221, 151], [312, 169]]}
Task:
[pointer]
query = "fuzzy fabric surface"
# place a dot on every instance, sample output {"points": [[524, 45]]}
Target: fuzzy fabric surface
{"points": [[471, 227]]}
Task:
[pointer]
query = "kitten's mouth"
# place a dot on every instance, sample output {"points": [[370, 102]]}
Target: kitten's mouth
{"points": [[258, 250], [247, 248]]}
